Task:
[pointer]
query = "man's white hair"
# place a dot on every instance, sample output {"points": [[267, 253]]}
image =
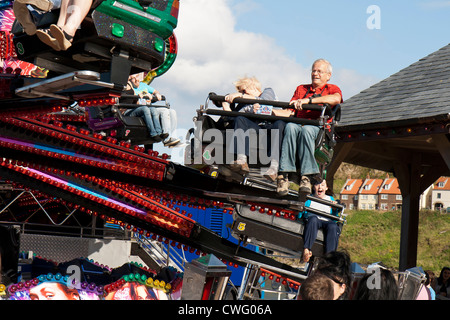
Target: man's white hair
{"points": [[329, 66]]}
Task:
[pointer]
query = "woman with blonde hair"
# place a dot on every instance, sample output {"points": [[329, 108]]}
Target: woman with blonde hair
{"points": [[251, 88]]}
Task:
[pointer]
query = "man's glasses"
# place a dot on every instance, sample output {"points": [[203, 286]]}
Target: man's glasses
{"points": [[319, 72]]}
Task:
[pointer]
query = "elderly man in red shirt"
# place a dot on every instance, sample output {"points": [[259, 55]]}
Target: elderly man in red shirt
{"points": [[299, 140]]}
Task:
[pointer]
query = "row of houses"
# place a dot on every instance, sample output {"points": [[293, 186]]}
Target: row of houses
{"points": [[385, 194]]}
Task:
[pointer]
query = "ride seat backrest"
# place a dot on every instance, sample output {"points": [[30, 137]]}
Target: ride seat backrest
{"points": [[209, 123], [101, 112], [130, 121]]}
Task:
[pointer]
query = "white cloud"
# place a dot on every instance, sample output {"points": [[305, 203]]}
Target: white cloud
{"points": [[213, 53]]}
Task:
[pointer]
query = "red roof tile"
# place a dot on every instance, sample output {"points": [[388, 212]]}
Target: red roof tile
{"points": [[351, 186], [444, 181], [390, 186], [370, 186]]}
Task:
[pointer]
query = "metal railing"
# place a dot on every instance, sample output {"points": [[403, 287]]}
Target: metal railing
{"points": [[162, 253], [70, 231]]}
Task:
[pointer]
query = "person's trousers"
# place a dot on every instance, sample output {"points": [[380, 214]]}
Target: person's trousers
{"points": [[244, 127], [168, 119], [330, 229], [299, 143], [150, 118]]}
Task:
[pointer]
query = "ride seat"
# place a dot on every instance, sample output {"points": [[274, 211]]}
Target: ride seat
{"points": [[271, 231]]}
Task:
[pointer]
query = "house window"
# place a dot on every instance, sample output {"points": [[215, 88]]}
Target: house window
{"points": [[344, 197], [356, 197], [384, 197], [398, 197], [440, 185], [384, 206], [363, 206], [438, 195], [364, 197], [351, 207]]}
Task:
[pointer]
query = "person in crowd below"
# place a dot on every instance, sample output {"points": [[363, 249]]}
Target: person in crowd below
{"points": [[250, 88], [426, 292], [442, 286], [383, 288], [298, 147], [336, 265], [431, 280], [315, 222], [317, 287]]}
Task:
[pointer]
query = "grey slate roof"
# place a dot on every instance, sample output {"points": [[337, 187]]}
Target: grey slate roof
{"points": [[420, 91]]}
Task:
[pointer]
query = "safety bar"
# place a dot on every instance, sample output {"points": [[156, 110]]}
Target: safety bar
{"points": [[285, 105], [131, 96], [135, 105], [324, 214], [262, 117]]}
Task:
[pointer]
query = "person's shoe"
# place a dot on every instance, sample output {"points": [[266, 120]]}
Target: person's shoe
{"points": [[304, 188], [164, 136], [156, 138], [46, 37], [240, 166], [305, 185], [282, 185], [43, 5], [62, 37], [271, 174], [171, 142], [23, 15]]}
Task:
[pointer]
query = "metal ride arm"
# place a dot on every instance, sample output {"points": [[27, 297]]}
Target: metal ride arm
{"points": [[51, 87]]}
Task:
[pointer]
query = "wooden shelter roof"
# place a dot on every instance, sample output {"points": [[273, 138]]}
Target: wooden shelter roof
{"points": [[401, 125]]}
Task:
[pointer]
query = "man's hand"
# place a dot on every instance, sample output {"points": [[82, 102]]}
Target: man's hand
{"points": [[299, 103]]}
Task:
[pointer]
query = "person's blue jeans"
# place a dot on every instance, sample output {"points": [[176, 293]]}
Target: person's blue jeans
{"points": [[150, 118], [330, 229], [167, 118], [299, 143]]}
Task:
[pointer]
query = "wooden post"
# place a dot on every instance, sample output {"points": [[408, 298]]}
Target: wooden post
{"points": [[408, 175], [341, 151]]}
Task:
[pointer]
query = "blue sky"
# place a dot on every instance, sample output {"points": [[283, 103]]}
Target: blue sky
{"points": [[220, 41], [409, 31]]}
